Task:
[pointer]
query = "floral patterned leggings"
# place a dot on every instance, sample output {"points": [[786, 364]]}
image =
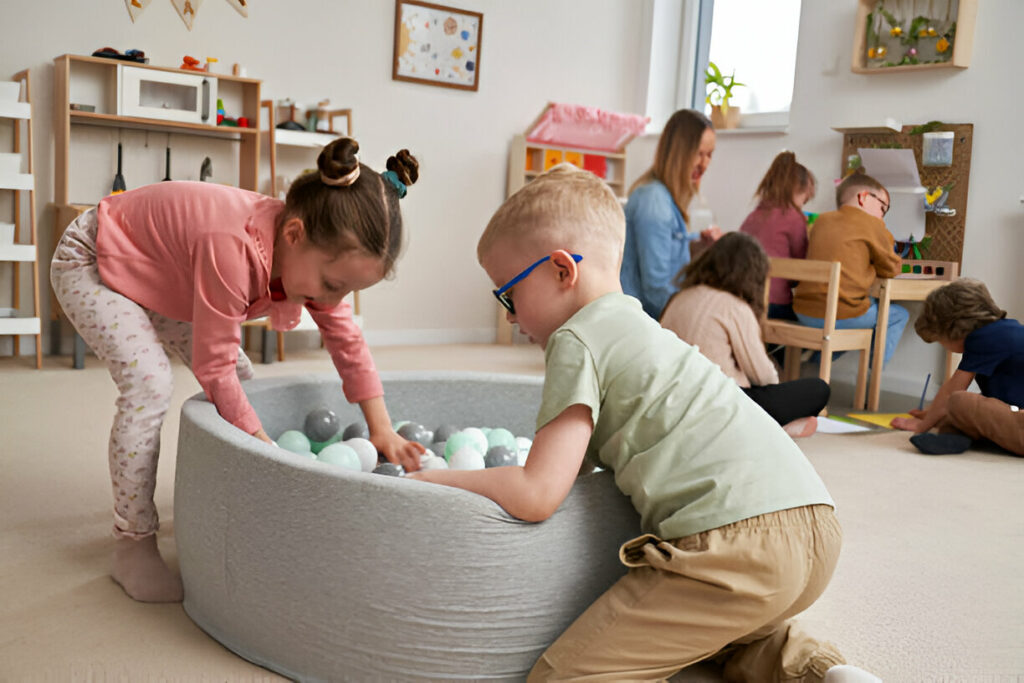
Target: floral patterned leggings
{"points": [[133, 342]]}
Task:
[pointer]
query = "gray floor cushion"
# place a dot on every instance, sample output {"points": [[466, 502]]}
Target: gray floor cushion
{"points": [[321, 573]]}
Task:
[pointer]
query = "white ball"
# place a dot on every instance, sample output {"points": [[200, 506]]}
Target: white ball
{"points": [[341, 455], [466, 458], [366, 451], [479, 439], [433, 463], [523, 449]]}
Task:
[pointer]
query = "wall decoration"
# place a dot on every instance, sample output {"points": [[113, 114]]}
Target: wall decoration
{"points": [[437, 45], [136, 7], [187, 10], [241, 6]]}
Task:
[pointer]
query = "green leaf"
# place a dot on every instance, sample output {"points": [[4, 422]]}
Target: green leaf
{"points": [[925, 127]]}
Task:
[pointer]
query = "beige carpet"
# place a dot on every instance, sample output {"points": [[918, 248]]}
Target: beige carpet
{"points": [[928, 587]]}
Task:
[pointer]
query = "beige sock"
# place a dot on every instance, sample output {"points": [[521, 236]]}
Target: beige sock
{"points": [[143, 574]]}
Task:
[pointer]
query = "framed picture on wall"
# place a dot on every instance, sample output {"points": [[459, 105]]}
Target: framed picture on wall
{"points": [[437, 45]]}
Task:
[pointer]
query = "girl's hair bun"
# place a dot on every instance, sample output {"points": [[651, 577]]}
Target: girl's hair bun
{"points": [[405, 166], [338, 160]]}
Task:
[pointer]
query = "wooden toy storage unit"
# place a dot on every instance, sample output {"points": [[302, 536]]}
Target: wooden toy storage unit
{"points": [[18, 244], [101, 84]]}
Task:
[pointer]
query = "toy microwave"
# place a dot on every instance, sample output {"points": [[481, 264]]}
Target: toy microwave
{"points": [[153, 94]]}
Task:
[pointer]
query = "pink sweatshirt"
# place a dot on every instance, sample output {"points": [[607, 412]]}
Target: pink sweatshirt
{"points": [[782, 231], [202, 253]]}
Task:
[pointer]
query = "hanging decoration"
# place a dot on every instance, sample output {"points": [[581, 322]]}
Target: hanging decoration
{"points": [[136, 7], [187, 10], [241, 6]]}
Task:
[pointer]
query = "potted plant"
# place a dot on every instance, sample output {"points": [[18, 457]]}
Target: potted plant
{"points": [[718, 96]]}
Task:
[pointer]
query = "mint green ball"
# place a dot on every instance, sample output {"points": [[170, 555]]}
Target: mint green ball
{"points": [[341, 455], [317, 446], [479, 439], [457, 441], [501, 437], [295, 441]]}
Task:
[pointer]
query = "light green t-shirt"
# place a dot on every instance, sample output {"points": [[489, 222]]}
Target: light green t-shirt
{"points": [[690, 449]]}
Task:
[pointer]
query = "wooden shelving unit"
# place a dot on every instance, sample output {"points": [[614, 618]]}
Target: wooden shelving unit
{"points": [[527, 160], [17, 248], [94, 81], [963, 12]]}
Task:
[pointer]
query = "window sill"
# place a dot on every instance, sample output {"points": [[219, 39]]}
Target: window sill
{"points": [[753, 130]]}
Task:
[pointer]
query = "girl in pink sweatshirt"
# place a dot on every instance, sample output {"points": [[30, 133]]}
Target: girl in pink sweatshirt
{"points": [[178, 266]]}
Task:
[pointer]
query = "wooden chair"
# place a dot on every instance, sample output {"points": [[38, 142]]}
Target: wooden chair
{"points": [[796, 337]]}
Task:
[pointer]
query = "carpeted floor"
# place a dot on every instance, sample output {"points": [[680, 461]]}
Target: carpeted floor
{"points": [[928, 587]]}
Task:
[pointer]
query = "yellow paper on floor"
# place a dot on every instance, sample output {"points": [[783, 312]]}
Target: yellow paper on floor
{"points": [[881, 419]]}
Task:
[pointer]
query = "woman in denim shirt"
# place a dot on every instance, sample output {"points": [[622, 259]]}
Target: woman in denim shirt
{"points": [[657, 241]]}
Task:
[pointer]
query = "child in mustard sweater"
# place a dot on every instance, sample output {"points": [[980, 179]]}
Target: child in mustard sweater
{"points": [[856, 236]]}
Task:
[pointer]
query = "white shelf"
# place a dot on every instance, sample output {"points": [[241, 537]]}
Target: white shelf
{"points": [[15, 110], [17, 252], [18, 325], [303, 138], [16, 181]]}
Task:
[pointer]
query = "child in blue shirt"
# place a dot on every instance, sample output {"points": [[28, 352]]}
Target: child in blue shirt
{"points": [[963, 318]]}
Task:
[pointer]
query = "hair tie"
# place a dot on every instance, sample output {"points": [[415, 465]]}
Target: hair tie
{"points": [[344, 180], [399, 186]]}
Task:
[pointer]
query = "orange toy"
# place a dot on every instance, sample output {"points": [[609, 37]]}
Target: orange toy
{"points": [[190, 63]]}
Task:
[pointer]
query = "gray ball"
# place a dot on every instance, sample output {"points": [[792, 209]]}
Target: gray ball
{"points": [[356, 430], [500, 456], [438, 448], [389, 469], [321, 424], [443, 432], [412, 431]]}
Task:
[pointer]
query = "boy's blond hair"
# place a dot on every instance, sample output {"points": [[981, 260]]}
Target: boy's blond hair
{"points": [[954, 311], [857, 182], [565, 208]]}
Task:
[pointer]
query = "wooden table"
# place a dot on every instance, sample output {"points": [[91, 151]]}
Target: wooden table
{"points": [[906, 287]]}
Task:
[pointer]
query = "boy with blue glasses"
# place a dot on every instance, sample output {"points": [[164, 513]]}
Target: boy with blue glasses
{"points": [[739, 529]]}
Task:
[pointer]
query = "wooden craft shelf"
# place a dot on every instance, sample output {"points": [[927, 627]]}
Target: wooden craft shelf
{"points": [[961, 47]]}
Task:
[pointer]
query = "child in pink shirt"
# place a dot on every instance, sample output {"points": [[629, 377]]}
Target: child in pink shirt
{"points": [[179, 266], [779, 223]]}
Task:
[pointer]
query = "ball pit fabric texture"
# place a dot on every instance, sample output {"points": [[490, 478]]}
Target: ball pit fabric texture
{"points": [[322, 573]]}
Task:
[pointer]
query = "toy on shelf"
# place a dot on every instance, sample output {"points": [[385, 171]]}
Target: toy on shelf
{"points": [[223, 120], [190, 64], [574, 125], [935, 200], [210, 61], [129, 55], [290, 124]]}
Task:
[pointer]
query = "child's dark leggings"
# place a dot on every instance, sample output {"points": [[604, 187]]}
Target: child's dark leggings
{"points": [[788, 401]]}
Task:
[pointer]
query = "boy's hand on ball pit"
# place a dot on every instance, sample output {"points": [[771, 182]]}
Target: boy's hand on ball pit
{"points": [[397, 450]]}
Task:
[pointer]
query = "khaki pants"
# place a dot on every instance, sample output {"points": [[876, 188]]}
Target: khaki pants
{"points": [[980, 417], [725, 592]]}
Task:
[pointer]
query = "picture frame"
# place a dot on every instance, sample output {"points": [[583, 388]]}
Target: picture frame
{"points": [[437, 45]]}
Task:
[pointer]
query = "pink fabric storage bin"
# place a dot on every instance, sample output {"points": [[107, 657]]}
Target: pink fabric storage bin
{"points": [[574, 125]]}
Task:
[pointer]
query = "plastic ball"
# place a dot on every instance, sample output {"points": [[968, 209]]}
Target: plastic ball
{"points": [[466, 458], [366, 451], [295, 441], [411, 431], [356, 430], [501, 437], [457, 441], [478, 437], [437, 448], [389, 469], [398, 425], [318, 446], [444, 432], [433, 463], [500, 456], [321, 424], [523, 446], [341, 455]]}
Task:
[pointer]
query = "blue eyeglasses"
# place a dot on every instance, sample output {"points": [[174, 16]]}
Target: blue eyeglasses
{"points": [[501, 294]]}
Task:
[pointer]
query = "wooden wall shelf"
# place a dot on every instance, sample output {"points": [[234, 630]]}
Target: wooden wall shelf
{"points": [[964, 12]]}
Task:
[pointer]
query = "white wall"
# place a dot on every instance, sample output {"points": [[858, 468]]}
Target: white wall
{"points": [[828, 94], [533, 51]]}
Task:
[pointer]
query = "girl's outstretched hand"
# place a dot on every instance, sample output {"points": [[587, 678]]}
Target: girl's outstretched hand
{"points": [[397, 450]]}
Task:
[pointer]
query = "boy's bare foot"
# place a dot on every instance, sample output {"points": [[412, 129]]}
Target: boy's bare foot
{"points": [[805, 426], [143, 574]]}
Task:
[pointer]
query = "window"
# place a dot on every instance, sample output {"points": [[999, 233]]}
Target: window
{"points": [[756, 40]]}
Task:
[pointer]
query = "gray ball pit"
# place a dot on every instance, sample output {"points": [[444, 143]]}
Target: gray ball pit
{"points": [[320, 573]]}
